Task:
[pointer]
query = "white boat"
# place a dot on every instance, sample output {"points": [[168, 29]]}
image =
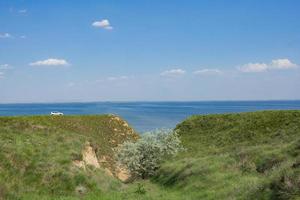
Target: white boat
{"points": [[56, 113]]}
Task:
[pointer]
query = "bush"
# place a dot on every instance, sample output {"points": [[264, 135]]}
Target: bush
{"points": [[143, 157]]}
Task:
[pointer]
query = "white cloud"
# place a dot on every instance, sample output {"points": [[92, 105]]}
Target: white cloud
{"points": [[262, 67], [8, 35], [5, 67], [102, 24], [117, 78], [1, 75], [173, 73], [50, 62], [253, 67], [207, 71], [5, 35], [22, 11], [114, 79], [282, 64]]}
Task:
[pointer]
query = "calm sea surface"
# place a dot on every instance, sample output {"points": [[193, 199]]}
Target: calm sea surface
{"points": [[144, 116]]}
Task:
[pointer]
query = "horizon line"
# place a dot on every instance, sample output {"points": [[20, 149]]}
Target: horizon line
{"points": [[151, 101]]}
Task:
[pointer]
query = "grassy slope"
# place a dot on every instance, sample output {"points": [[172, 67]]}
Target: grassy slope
{"points": [[232, 156], [37, 153], [237, 156]]}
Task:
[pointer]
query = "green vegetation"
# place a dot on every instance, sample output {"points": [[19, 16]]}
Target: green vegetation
{"points": [[229, 156], [238, 156], [37, 155], [144, 156]]}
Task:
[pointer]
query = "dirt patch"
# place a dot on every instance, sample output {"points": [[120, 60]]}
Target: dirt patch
{"points": [[79, 164], [88, 158], [124, 128], [117, 118], [125, 124], [122, 174]]}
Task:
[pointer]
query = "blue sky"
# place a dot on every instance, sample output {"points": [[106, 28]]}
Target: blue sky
{"points": [[52, 51]]}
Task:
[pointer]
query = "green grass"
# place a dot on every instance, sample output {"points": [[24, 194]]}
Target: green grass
{"points": [[237, 156], [229, 156], [37, 153]]}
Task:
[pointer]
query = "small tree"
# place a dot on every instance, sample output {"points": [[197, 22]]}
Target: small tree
{"points": [[143, 157]]}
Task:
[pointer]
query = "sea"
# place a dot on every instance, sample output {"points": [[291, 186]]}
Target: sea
{"points": [[148, 116]]}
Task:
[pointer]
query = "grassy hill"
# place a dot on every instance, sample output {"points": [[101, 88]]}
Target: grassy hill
{"points": [[229, 156], [38, 153], [237, 156]]}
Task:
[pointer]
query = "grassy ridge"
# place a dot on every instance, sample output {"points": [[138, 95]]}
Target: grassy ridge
{"points": [[237, 156], [229, 156], [37, 153]]}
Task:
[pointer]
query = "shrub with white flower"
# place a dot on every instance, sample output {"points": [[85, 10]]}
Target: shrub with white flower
{"points": [[143, 157]]}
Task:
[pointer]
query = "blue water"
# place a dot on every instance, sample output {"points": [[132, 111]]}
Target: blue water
{"points": [[145, 116]]}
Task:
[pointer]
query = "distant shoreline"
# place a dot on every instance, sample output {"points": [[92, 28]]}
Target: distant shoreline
{"points": [[175, 101]]}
